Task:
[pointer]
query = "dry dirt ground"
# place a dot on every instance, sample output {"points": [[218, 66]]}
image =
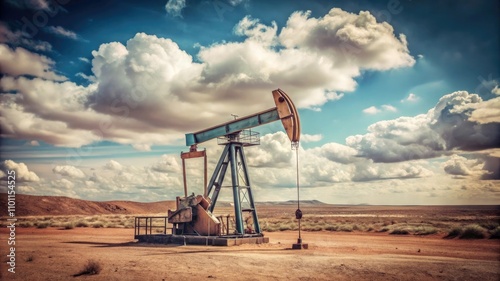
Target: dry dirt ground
{"points": [[57, 254]]}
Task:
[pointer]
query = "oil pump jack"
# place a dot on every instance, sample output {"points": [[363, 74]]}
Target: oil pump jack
{"points": [[194, 214]]}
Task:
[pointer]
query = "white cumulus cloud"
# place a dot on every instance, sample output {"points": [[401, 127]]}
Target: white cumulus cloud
{"points": [[461, 166], [384, 108], [148, 91], [167, 164], [446, 127], [69, 171], [388, 107], [19, 61], [411, 98], [349, 39], [174, 7], [113, 165], [486, 112], [22, 173], [311, 138], [496, 90], [371, 110]]}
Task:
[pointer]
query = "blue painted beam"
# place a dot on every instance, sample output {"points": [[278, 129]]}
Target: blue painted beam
{"points": [[234, 126]]}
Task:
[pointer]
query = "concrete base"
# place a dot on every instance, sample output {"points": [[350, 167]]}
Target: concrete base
{"points": [[299, 246], [201, 240]]}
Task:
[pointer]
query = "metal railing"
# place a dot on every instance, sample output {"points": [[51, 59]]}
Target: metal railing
{"points": [[246, 137], [152, 226]]}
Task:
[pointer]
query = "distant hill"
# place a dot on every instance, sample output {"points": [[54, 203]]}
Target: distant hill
{"points": [[31, 205], [292, 202]]}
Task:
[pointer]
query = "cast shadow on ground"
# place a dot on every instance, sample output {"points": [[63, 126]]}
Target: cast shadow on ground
{"points": [[195, 248]]}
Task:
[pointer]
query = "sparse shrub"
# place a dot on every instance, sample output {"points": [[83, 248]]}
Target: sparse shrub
{"points": [[425, 230], [26, 224], [129, 225], [473, 231], [313, 228], [92, 219], [114, 218], [495, 233], [81, 224], [283, 227], [97, 224], [43, 224], [113, 225], [270, 229], [383, 229], [455, 232], [30, 258], [359, 227], [346, 228], [263, 225], [69, 225], [490, 225], [399, 231], [332, 228], [92, 267]]}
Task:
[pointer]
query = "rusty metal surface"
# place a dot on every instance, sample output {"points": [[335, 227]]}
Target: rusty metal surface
{"points": [[180, 216], [206, 223]]}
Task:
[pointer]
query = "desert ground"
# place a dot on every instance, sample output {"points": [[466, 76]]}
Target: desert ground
{"points": [[345, 243], [55, 254]]}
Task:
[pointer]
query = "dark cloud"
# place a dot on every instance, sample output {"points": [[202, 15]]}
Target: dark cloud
{"points": [[459, 132], [492, 168]]}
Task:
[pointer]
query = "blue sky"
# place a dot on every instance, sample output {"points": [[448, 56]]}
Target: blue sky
{"points": [[399, 100]]}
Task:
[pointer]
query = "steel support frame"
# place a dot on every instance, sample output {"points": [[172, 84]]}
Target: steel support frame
{"points": [[231, 156], [189, 155]]}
